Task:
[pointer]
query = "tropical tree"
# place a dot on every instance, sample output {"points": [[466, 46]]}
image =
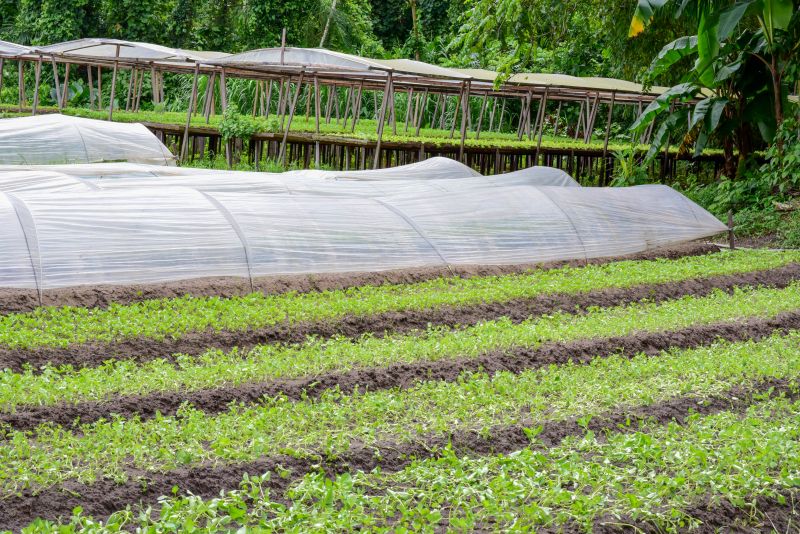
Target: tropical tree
{"points": [[736, 84]]}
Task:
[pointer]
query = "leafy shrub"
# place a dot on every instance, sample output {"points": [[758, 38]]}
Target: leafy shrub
{"points": [[234, 125]]}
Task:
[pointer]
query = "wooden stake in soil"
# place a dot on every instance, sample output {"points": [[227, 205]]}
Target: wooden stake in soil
{"points": [[293, 105]]}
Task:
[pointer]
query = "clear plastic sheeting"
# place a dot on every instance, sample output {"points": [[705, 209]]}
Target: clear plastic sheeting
{"points": [[158, 234], [42, 181], [61, 139], [537, 175]]}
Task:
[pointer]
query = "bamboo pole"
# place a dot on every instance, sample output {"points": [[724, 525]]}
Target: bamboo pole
{"points": [[317, 105], [113, 85], [99, 88], [409, 101], [542, 113], [91, 87], [58, 84], [131, 82], [38, 77], [2, 65], [502, 113], [138, 90], [465, 114], [421, 114], [65, 87], [357, 111], [293, 105], [192, 99], [558, 118], [381, 120], [21, 84], [491, 114], [480, 116]]}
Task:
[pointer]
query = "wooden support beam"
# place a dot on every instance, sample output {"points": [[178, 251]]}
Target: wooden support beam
{"points": [[357, 111], [223, 90], [409, 101], [131, 81], [58, 84], [192, 100], [21, 84], [502, 113], [465, 115], [542, 114], [65, 87], [421, 113], [2, 65], [293, 105], [480, 116], [381, 120], [89, 69], [113, 85], [558, 118], [491, 113], [608, 123], [38, 78], [580, 120]]}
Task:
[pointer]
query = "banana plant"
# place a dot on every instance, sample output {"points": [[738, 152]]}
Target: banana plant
{"points": [[727, 92]]}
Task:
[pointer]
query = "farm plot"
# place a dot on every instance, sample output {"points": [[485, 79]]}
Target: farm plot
{"points": [[658, 394]]}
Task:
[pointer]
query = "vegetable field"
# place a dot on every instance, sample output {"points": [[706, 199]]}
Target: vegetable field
{"points": [[649, 394]]}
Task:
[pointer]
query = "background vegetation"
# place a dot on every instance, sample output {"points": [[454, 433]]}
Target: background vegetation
{"points": [[742, 55]]}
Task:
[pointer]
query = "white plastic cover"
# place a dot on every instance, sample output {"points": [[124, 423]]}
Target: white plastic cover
{"points": [[153, 234], [61, 139]]}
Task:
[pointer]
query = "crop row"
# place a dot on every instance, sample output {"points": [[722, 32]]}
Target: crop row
{"points": [[216, 368], [656, 476], [328, 425], [163, 318]]}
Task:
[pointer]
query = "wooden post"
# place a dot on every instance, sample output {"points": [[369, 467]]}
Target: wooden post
{"points": [[459, 101], [394, 109], [65, 87], [269, 98], [192, 100], [131, 82], [138, 90], [21, 86], [465, 113], [542, 112], [580, 120], [223, 90], [317, 105], [558, 118], [491, 113], [591, 116], [153, 86], [293, 105], [480, 116], [381, 118], [58, 84], [421, 112], [99, 88], [502, 113], [608, 123], [2, 64], [91, 87], [209, 95], [409, 100], [113, 85], [357, 110], [349, 94], [443, 113], [37, 76]]}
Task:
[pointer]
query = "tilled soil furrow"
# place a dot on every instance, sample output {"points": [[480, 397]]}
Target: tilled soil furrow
{"points": [[101, 296], [104, 497], [401, 375], [145, 349]]}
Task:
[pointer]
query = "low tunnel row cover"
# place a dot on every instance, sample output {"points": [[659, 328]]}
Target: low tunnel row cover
{"points": [[61, 139], [158, 234]]}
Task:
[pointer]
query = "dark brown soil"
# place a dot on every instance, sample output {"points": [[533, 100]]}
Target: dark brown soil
{"points": [[24, 300], [145, 349], [105, 496], [762, 515], [401, 375]]}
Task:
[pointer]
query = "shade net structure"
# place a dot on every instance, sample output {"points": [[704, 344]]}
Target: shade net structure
{"points": [[161, 233], [61, 139]]}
